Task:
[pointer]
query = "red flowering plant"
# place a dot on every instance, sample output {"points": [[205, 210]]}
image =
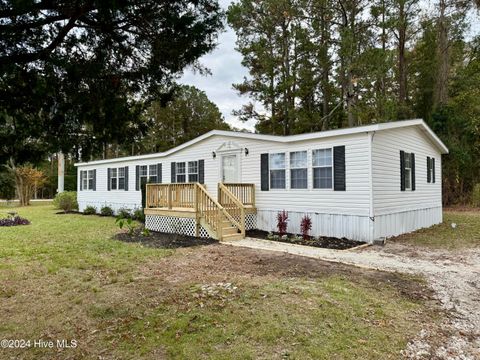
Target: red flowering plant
{"points": [[305, 227], [282, 218]]}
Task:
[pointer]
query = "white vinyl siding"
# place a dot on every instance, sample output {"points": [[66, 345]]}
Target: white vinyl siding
{"points": [[353, 202], [387, 195]]}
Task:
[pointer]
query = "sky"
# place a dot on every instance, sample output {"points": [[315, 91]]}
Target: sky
{"points": [[225, 65]]}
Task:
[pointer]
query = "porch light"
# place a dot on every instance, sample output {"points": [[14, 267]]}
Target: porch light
{"points": [[214, 154], [246, 151]]}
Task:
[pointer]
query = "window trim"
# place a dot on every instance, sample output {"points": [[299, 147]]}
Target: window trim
{"points": [[184, 173], [298, 168], [149, 172], [407, 156], [86, 177], [431, 169], [188, 173], [284, 169], [323, 166]]}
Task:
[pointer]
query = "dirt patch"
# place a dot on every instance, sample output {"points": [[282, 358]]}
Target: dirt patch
{"points": [[321, 242], [223, 263], [163, 240]]}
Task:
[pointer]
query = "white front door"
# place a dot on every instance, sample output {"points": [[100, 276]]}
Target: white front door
{"points": [[229, 168]]}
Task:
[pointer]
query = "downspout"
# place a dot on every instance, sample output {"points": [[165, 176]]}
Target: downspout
{"points": [[371, 211]]}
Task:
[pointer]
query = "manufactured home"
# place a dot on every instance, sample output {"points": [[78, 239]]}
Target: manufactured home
{"points": [[361, 183]]}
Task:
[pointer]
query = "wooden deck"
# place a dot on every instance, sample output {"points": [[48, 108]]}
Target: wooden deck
{"points": [[185, 212], [223, 218]]}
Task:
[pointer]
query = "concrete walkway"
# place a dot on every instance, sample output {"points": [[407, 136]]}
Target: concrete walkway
{"points": [[454, 276]]}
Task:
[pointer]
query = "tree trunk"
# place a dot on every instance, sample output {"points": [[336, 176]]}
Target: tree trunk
{"points": [[441, 86], [402, 72]]}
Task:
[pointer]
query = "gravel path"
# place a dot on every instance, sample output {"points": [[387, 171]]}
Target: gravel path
{"points": [[454, 276]]}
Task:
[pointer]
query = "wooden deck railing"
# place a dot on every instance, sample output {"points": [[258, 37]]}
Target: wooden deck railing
{"points": [[232, 205], [170, 195], [194, 196], [243, 192]]}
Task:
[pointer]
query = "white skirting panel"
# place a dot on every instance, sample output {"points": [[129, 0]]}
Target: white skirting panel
{"points": [[352, 227], [407, 221], [114, 205]]}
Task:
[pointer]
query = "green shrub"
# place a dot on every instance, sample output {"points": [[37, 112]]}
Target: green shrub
{"points": [[127, 223], [66, 201], [139, 215], [90, 210], [106, 211], [476, 195], [124, 213]]}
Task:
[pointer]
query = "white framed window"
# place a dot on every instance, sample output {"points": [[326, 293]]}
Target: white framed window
{"points": [[431, 169], [298, 170], [277, 171], [181, 172], [192, 171], [91, 179], [121, 178], [152, 174], [143, 174], [85, 180], [322, 164], [113, 179], [408, 171]]}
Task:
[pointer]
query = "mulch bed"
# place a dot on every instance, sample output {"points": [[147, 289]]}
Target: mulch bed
{"points": [[164, 240], [321, 242]]}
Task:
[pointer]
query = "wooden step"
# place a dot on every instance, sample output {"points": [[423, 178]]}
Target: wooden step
{"points": [[232, 237], [229, 230]]}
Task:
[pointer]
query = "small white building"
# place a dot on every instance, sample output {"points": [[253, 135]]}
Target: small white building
{"points": [[361, 183]]}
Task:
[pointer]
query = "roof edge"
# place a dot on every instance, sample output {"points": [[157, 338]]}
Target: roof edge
{"points": [[283, 139]]}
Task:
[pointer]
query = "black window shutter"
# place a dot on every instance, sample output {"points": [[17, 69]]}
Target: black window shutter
{"points": [[137, 177], [172, 172], [201, 171], [109, 177], [339, 168], [94, 180], [126, 178], [264, 181], [81, 180], [402, 170], [433, 169], [159, 173], [412, 157], [429, 166]]}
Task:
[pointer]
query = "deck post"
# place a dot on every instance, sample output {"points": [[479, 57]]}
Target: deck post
{"points": [[169, 196], [147, 197], [197, 215], [242, 220], [220, 224]]}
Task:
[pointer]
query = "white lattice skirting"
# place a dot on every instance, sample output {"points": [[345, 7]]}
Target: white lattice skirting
{"points": [[175, 225], [250, 221], [186, 226]]}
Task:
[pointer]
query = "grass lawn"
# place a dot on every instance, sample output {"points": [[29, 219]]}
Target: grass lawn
{"points": [[466, 234], [63, 277]]}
